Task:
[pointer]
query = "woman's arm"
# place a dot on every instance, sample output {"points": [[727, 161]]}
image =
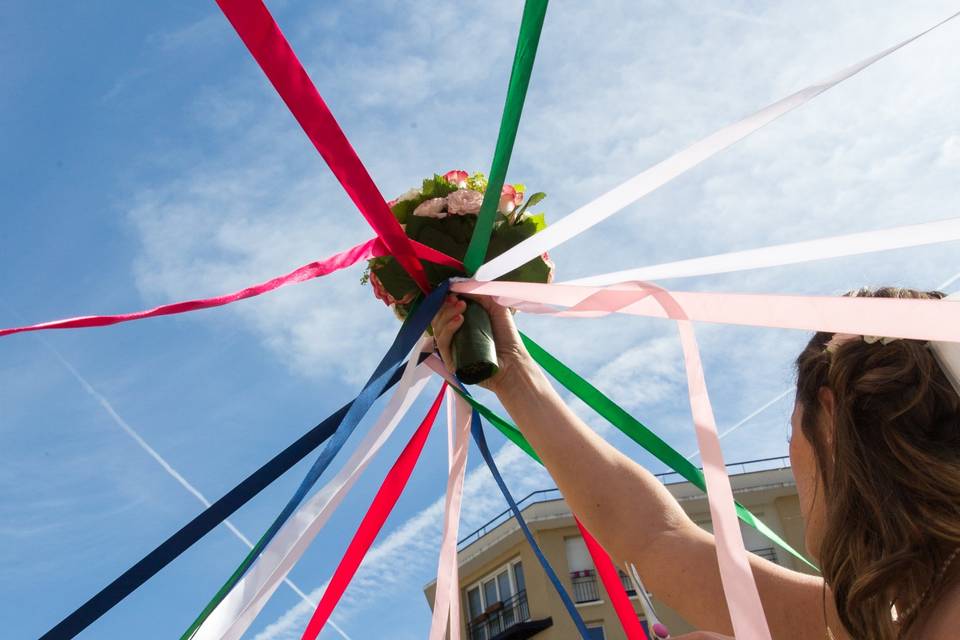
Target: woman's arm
{"points": [[629, 511]]}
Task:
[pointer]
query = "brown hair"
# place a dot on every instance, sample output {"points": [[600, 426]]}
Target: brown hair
{"points": [[890, 472]]}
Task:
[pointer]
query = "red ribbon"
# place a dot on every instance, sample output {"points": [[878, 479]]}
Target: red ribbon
{"points": [[258, 30], [383, 503], [611, 582], [372, 248]]}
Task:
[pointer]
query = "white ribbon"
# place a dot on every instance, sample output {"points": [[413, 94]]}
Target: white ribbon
{"points": [[446, 603], [914, 235], [660, 174], [239, 608]]}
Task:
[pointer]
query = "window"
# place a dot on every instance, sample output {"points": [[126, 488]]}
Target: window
{"points": [[497, 601], [596, 632], [582, 573]]}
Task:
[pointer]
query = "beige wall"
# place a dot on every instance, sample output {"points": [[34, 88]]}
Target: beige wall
{"points": [[772, 496]]}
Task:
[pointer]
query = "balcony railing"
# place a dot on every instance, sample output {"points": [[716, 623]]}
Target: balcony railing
{"points": [[499, 617], [584, 586], [545, 495]]}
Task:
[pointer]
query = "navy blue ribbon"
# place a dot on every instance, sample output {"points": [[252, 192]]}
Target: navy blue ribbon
{"points": [[340, 425], [476, 428]]}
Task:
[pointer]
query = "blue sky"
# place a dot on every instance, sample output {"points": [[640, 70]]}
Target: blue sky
{"points": [[145, 159]]}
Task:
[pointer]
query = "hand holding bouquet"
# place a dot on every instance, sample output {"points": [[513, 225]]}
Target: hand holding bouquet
{"points": [[442, 215]]}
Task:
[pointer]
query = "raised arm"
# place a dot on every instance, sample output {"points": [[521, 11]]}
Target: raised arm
{"points": [[625, 507]]}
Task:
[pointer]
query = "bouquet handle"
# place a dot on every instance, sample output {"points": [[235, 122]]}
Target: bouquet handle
{"points": [[473, 349]]}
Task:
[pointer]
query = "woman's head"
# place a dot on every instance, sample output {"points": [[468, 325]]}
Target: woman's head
{"points": [[876, 453]]}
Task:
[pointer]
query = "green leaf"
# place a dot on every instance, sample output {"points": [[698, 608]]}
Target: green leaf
{"points": [[404, 209], [538, 219], [394, 278], [437, 187], [508, 236], [532, 200]]}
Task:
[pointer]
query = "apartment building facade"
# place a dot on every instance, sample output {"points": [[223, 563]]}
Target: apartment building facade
{"points": [[505, 595]]}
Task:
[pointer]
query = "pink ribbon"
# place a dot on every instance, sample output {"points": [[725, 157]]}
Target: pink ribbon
{"points": [[376, 516], [446, 603], [372, 248], [258, 30], [739, 587], [897, 318], [611, 582]]}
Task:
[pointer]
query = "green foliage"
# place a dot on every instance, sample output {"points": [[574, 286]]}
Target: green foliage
{"points": [[437, 187], [532, 200], [477, 182], [404, 209]]}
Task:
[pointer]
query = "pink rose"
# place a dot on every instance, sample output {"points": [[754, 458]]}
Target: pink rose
{"points": [[456, 177], [464, 201], [510, 199], [432, 208]]}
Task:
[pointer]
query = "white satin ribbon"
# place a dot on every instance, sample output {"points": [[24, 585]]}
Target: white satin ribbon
{"points": [[446, 603], [914, 235], [239, 608], [658, 175]]}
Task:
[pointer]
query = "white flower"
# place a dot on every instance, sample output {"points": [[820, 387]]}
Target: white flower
{"points": [[409, 195], [464, 201], [432, 208]]}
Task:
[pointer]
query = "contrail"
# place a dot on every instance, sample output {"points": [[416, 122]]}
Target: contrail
{"points": [[183, 482], [750, 417]]}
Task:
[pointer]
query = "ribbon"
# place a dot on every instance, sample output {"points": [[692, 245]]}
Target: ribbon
{"points": [[618, 417], [639, 433], [446, 602], [611, 582], [480, 439], [913, 235], [658, 175], [338, 426], [200, 526], [239, 601], [372, 248], [534, 12], [413, 327], [383, 503], [262, 36], [892, 317]]}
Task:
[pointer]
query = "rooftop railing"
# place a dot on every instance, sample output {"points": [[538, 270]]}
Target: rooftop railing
{"points": [[670, 477]]}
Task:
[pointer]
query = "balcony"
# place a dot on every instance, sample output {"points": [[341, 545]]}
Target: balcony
{"points": [[507, 620], [585, 586]]}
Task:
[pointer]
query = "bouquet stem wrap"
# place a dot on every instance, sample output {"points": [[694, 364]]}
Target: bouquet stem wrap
{"points": [[473, 348]]}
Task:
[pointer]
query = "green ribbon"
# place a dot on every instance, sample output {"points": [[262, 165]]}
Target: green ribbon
{"points": [[626, 423], [531, 25], [643, 436]]}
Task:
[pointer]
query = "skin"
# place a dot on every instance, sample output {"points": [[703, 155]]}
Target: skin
{"points": [[637, 520]]}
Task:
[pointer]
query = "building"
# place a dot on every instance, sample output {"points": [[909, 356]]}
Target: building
{"points": [[505, 595]]}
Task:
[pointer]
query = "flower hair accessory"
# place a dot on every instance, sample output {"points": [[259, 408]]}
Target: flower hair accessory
{"points": [[843, 338], [947, 354]]}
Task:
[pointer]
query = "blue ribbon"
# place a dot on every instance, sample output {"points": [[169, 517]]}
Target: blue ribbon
{"points": [[476, 428], [339, 425]]}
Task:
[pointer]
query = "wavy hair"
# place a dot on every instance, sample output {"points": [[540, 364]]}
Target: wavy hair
{"points": [[889, 473]]}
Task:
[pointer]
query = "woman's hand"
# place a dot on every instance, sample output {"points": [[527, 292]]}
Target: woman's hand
{"points": [[511, 354]]}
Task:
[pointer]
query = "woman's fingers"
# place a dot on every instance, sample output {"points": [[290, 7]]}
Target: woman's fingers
{"points": [[446, 323]]}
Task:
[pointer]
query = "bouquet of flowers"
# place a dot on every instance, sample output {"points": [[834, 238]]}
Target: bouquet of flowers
{"points": [[442, 215]]}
